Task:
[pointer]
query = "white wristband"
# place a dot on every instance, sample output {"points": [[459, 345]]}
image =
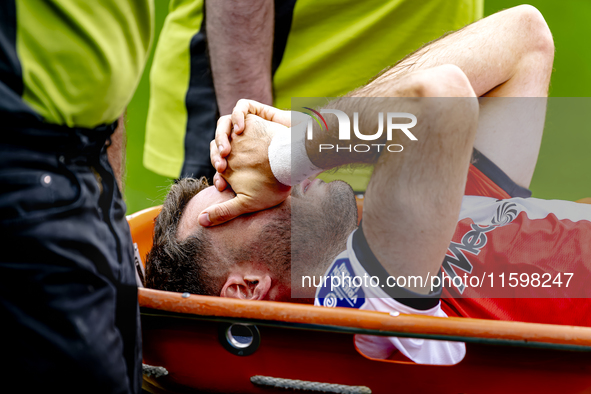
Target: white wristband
{"points": [[287, 149]]}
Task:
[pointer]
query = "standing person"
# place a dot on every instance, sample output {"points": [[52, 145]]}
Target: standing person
{"points": [[68, 297], [211, 54]]}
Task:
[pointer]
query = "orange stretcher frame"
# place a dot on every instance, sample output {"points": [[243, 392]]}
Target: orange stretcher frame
{"points": [[187, 335]]}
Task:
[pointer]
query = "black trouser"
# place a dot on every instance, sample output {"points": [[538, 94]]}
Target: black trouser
{"points": [[68, 298]]}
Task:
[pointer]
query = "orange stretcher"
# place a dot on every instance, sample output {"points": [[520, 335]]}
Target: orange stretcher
{"points": [[197, 343]]}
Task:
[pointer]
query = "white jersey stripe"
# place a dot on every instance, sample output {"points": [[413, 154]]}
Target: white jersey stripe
{"points": [[482, 209]]}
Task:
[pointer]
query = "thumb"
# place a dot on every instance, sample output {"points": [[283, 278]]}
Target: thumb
{"points": [[223, 212]]}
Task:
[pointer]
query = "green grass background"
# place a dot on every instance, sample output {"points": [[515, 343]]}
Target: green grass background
{"points": [[564, 165]]}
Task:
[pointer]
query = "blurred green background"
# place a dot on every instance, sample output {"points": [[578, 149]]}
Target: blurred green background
{"points": [[564, 165]]}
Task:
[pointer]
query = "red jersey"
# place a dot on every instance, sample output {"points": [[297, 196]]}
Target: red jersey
{"points": [[545, 244]]}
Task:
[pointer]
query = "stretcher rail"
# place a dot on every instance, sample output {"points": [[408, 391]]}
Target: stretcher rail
{"points": [[355, 321]]}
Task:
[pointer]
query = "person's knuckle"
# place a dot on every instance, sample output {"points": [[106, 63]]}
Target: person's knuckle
{"points": [[223, 119]]}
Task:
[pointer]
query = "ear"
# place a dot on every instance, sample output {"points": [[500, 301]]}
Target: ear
{"points": [[246, 287]]}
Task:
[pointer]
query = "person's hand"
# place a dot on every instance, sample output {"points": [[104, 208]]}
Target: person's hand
{"points": [[235, 124], [247, 170]]}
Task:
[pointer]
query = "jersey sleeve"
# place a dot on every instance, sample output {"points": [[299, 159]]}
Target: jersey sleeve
{"points": [[418, 350], [358, 262]]}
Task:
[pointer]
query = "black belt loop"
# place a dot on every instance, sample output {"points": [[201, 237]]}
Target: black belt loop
{"points": [[64, 140]]}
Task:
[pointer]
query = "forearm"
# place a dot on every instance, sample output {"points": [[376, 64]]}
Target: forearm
{"points": [[240, 45], [116, 151], [413, 200]]}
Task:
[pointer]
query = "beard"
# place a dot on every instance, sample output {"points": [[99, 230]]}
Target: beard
{"points": [[320, 226]]}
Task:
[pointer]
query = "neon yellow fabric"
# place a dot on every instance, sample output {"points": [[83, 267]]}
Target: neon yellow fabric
{"points": [[169, 80], [334, 46], [82, 60]]}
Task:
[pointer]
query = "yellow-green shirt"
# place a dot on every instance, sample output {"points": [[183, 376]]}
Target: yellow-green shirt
{"points": [[73, 62]]}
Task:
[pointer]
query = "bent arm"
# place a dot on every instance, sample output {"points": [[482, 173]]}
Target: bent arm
{"points": [[508, 54], [413, 200]]}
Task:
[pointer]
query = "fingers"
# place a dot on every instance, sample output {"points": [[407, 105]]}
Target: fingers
{"points": [[219, 182], [223, 212], [222, 135], [217, 161], [244, 107], [241, 109]]}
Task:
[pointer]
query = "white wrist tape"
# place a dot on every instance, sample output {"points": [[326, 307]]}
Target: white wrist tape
{"points": [[287, 149]]}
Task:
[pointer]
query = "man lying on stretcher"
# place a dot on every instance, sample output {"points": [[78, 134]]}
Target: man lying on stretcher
{"points": [[413, 200]]}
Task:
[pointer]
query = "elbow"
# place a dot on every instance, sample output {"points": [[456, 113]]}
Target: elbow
{"points": [[534, 32]]}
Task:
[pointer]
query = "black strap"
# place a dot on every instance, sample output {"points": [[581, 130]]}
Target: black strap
{"points": [[374, 268], [38, 135], [498, 176]]}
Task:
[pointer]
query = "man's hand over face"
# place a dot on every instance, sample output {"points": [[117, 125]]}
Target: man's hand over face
{"points": [[235, 124], [246, 169]]}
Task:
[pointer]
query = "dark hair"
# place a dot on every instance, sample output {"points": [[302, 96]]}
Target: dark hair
{"points": [[193, 265], [182, 266]]}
